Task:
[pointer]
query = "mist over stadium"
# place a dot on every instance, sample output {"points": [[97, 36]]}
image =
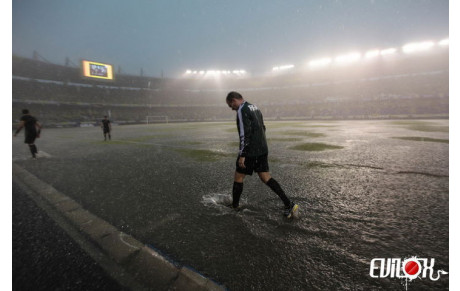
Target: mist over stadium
{"points": [[410, 81], [355, 103], [317, 59]]}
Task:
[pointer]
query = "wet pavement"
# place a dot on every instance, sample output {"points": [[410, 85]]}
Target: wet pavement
{"points": [[45, 257], [381, 192]]}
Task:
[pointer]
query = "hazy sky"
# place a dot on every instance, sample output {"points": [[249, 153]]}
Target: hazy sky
{"points": [[254, 35]]}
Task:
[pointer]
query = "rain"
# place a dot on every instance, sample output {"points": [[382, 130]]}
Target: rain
{"points": [[355, 103]]}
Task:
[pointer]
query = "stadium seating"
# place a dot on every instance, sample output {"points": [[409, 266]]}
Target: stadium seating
{"points": [[403, 87]]}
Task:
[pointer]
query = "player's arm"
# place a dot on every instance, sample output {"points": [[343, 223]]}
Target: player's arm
{"points": [[21, 125], [39, 128], [244, 117], [263, 123]]}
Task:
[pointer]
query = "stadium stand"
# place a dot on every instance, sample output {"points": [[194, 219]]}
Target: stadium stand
{"points": [[398, 87]]}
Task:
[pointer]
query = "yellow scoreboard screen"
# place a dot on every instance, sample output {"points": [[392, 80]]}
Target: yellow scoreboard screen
{"points": [[97, 70]]}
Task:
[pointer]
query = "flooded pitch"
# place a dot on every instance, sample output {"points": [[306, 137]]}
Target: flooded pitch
{"points": [[366, 189]]}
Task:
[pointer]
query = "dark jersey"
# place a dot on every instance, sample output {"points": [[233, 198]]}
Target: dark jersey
{"points": [[251, 129], [105, 124], [29, 124]]}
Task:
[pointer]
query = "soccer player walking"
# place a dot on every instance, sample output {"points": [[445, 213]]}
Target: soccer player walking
{"points": [[30, 124], [106, 127], [253, 151]]}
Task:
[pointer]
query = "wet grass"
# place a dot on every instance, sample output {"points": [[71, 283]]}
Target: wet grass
{"points": [[421, 138], [273, 159], [303, 133], [232, 130], [406, 122], [421, 126], [178, 127], [117, 142], [273, 126], [280, 124], [315, 147], [319, 125], [199, 125], [317, 164], [429, 128], [145, 138], [203, 155], [287, 139], [270, 140]]}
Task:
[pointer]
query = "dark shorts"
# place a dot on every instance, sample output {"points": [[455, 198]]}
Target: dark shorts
{"points": [[30, 138], [106, 130], [253, 164]]}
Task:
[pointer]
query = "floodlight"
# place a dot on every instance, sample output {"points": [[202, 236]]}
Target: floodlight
{"points": [[320, 62], [388, 51], [348, 58], [285, 67], [372, 54], [418, 46], [188, 72], [444, 42]]}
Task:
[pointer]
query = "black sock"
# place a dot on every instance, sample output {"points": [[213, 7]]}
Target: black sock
{"points": [[35, 149], [237, 190], [279, 191]]}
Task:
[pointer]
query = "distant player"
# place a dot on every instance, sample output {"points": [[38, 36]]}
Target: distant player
{"points": [[32, 131], [253, 151], [106, 127]]}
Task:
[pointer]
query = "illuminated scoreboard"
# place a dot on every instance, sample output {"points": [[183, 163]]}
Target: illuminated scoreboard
{"points": [[97, 70]]}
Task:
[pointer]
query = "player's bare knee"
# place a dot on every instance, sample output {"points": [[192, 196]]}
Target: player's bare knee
{"points": [[264, 177], [239, 178]]}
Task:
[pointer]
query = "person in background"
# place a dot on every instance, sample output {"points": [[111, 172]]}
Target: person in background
{"points": [[32, 131], [106, 127]]}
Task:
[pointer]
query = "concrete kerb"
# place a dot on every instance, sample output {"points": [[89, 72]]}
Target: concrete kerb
{"points": [[145, 264]]}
